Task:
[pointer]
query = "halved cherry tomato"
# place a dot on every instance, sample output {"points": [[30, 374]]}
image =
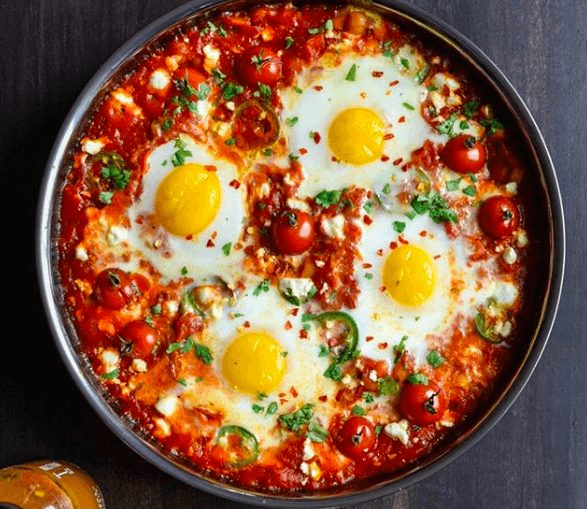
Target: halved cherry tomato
{"points": [[357, 437], [499, 217], [114, 289], [258, 64], [255, 126], [464, 154], [422, 404], [121, 116], [293, 232], [141, 335], [193, 76]]}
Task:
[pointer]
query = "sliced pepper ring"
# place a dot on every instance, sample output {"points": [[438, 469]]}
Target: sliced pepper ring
{"points": [[248, 442], [352, 338]]}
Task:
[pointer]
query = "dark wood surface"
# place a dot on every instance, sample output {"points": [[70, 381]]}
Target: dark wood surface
{"points": [[536, 457]]}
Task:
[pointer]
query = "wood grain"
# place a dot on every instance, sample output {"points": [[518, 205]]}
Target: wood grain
{"points": [[536, 457]]}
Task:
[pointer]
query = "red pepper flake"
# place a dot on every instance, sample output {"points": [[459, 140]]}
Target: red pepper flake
{"points": [[389, 136], [294, 311], [367, 265], [382, 288], [401, 120], [369, 194], [394, 83], [377, 74], [282, 394], [238, 246], [367, 220], [332, 342], [318, 88], [369, 338], [316, 136], [209, 167], [398, 161], [293, 392], [288, 325], [382, 346], [282, 401], [384, 158], [334, 159], [303, 334], [393, 245], [423, 233], [324, 398], [363, 95], [214, 235], [210, 243], [234, 183], [436, 257], [189, 237], [246, 324], [406, 167], [380, 252], [402, 240], [303, 151]]}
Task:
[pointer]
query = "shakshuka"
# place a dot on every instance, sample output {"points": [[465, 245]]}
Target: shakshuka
{"points": [[294, 247]]}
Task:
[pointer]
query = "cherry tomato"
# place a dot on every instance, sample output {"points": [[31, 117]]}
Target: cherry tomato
{"points": [[193, 76], [255, 126], [141, 335], [293, 232], [114, 289], [464, 154], [259, 65], [498, 217], [356, 438], [120, 115], [422, 404]]}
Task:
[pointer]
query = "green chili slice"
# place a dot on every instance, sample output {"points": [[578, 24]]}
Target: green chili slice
{"points": [[484, 331], [352, 338], [248, 443]]}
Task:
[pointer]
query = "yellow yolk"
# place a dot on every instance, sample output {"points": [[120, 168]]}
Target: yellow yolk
{"points": [[356, 135], [409, 275], [188, 200], [253, 363]]}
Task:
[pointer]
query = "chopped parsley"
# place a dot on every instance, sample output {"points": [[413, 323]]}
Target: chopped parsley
{"points": [[408, 106], [327, 27], [203, 353], [105, 197], [368, 207], [298, 90], [231, 90], [399, 226], [422, 73], [117, 176], [324, 351], [368, 397], [257, 408], [264, 91], [435, 359], [295, 420], [464, 125], [218, 76], [111, 375], [453, 185], [358, 410], [405, 63], [368, 275], [262, 395], [327, 198], [291, 121], [447, 126], [316, 433], [149, 321], [182, 381], [212, 28], [387, 386], [334, 372], [289, 42], [417, 379], [470, 191], [470, 108], [352, 74], [156, 309], [167, 123], [399, 349], [267, 152], [230, 142], [272, 408], [181, 153], [261, 287], [184, 271], [226, 248], [492, 125], [436, 207], [386, 189]]}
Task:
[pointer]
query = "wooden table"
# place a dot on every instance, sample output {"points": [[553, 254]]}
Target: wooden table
{"points": [[535, 457]]}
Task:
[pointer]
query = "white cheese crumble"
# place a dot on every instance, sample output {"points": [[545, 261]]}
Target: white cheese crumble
{"points": [[333, 227], [167, 405], [116, 235], [308, 453], [81, 253], [92, 147], [211, 57], [522, 239], [299, 287], [511, 187], [305, 468], [398, 431], [123, 97], [294, 203], [159, 79], [109, 359], [505, 294], [162, 426], [172, 307], [509, 255], [139, 365]]}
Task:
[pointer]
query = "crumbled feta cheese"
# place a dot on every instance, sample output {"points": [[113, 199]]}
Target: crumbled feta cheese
{"points": [[398, 431], [287, 180], [139, 365], [172, 62], [167, 405], [294, 203], [230, 105], [319, 263], [116, 235], [265, 189], [305, 468], [172, 307], [506, 329], [440, 79], [222, 129], [163, 427], [333, 227], [123, 97], [505, 294], [92, 147], [373, 375], [437, 100], [159, 79], [308, 453], [511, 187], [81, 254], [299, 287], [522, 239], [109, 359], [347, 379], [510, 256], [211, 57]]}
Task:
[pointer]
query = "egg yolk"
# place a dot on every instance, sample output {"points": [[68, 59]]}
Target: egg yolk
{"points": [[254, 363], [188, 200], [409, 275], [356, 135]]}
